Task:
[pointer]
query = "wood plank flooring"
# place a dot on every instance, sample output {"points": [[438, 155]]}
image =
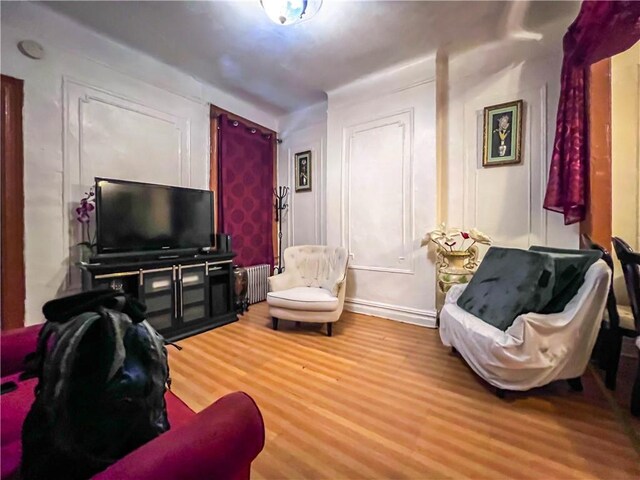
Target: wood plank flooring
{"points": [[382, 399]]}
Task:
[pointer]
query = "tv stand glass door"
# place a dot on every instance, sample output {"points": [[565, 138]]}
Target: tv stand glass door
{"points": [[183, 296], [158, 292], [193, 293]]}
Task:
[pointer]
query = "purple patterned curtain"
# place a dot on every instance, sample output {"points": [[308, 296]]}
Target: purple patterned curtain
{"points": [[245, 186], [602, 29]]}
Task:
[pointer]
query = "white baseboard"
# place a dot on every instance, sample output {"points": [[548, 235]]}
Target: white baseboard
{"points": [[424, 318]]}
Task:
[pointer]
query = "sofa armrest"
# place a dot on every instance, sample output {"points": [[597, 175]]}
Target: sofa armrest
{"points": [[454, 293], [14, 346], [280, 282], [220, 442]]}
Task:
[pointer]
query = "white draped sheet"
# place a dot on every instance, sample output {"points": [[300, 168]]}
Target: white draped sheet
{"points": [[537, 349]]}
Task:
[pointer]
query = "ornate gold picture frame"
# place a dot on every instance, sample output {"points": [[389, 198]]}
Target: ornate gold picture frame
{"points": [[502, 134]]}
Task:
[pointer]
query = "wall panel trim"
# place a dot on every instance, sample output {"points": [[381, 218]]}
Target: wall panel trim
{"points": [[404, 119]]}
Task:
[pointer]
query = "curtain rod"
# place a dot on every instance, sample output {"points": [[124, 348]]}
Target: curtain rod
{"points": [[217, 111]]}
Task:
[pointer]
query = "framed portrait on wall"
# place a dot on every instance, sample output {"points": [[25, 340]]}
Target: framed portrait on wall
{"points": [[502, 134], [303, 171]]}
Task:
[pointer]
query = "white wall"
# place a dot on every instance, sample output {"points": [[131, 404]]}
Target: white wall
{"points": [[417, 151], [95, 108], [504, 202], [381, 189], [305, 130]]}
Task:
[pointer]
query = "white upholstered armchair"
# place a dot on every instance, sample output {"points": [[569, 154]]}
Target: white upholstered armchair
{"points": [[312, 287]]}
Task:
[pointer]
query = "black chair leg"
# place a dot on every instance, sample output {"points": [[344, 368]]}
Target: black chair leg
{"points": [[329, 329], [274, 323], [453, 350], [501, 393], [298, 324], [635, 394], [575, 384], [599, 349], [612, 349]]}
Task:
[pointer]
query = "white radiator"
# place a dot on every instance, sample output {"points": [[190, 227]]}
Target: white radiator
{"points": [[258, 285]]}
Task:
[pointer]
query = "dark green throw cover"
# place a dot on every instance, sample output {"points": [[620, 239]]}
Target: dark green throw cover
{"points": [[510, 282], [570, 267]]}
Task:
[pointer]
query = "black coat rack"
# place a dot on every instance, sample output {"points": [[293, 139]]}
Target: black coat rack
{"points": [[280, 206]]}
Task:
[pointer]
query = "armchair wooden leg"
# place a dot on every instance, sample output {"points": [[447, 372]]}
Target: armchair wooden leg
{"points": [[501, 393], [635, 394], [612, 359], [453, 350], [329, 329], [575, 384], [274, 323], [298, 324]]}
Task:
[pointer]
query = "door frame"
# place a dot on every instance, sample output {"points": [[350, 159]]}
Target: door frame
{"points": [[12, 278]]}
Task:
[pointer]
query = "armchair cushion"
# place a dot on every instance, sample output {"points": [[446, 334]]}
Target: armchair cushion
{"points": [[304, 298]]}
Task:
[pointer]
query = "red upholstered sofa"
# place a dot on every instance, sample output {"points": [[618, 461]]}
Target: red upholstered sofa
{"points": [[218, 443]]}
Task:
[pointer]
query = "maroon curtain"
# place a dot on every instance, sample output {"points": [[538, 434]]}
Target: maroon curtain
{"points": [[245, 186], [602, 29]]}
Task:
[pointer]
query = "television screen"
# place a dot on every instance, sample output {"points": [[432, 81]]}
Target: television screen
{"points": [[139, 216]]}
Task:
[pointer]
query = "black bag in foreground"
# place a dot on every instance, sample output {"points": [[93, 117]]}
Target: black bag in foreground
{"points": [[102, 372]]}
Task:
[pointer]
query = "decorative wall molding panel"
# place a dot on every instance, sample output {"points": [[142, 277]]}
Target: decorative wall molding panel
{"points": [[506, 201], [381, 191], [378, 194]]}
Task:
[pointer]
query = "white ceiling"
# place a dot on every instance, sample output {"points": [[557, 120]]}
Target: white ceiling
{"points": [[233, 45]]}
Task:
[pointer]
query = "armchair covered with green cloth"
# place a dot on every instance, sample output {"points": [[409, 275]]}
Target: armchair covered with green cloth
{"points": [[537, 348]]}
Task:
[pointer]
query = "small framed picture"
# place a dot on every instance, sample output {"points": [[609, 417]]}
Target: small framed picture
{"points": [[502, 134], [303, 171]]}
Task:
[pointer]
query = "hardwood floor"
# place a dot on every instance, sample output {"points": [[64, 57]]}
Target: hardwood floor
{"points": [[381, 399]]}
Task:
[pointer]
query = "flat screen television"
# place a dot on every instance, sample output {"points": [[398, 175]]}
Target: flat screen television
{"points": [[132, 216]]}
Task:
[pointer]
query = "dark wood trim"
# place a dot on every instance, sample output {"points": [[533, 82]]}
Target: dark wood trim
{"points": [[12, 284], [213, 168], [598, 222], [217, 111]]}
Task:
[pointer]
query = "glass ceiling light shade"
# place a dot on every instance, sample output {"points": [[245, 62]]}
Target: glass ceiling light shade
{"points": [[288, 12]]}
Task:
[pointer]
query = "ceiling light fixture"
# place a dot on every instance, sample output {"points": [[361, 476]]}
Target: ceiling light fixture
{"points": [[288, 12]]}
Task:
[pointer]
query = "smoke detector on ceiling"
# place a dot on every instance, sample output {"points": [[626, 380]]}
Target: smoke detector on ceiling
{"points": [[31, 49]]}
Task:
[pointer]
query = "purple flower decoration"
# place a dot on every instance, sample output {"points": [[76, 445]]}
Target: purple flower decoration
{"points": [[87, 205]]}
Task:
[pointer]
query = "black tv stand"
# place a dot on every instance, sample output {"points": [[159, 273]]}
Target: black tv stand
{"points": [[184, 294]]}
